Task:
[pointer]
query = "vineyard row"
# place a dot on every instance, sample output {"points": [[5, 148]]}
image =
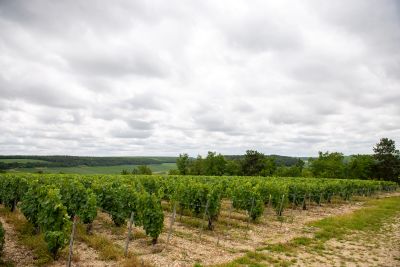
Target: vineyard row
{"points": [[50, 202]]}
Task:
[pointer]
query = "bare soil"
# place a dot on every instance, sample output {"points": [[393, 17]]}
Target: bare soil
{"points": [[83, 255]]}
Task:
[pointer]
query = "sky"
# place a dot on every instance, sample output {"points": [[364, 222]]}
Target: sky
{"points": [[104, 78]]}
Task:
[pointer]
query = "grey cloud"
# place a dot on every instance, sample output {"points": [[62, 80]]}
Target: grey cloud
{"points": [[131, 134], [118, 64], [134, 77], [259, 33], [379, 26], [52, 17], [38, 92], [140, 124], [144, 101]]}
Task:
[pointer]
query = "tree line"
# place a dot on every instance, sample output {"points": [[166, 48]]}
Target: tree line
{"points": [[384, 164], [74, 161]]}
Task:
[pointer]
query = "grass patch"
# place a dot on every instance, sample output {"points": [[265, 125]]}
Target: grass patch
{"points": [[370, 218], [107, 249], [302, 241], [280, 247], [252, 259], [184, 235], [26, 237], [256, 259], [115, 230], [133, 262], [6, 263], [225, 222], [193, 222]]}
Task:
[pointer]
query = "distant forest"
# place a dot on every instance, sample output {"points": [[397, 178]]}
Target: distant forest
{"points": [[74, 161], [384, 164]]}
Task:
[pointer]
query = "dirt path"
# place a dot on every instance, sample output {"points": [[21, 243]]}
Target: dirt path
{"points": [[13, 252]]}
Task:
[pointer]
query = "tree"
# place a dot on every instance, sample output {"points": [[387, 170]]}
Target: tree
{"points": [[214, 164], [360, 167], [387, 160], [144, 169], [328, 165], [269, 167], [253, 163], [233, 167], [196, 167], [183, 163]]}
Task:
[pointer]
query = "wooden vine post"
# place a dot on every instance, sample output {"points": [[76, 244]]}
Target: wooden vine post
{"points": [[251, 211], [281, 206], [204, 218], [171, 224], [71, 241], [129, 234]]}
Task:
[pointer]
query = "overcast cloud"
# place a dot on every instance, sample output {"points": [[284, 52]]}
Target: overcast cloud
{"points": [[167, 77]]}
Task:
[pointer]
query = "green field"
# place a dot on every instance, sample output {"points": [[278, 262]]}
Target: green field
{"points": [[21, 160], [156, 168]]}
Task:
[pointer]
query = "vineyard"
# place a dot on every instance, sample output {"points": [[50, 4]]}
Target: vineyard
{"points": [[216, 210]]}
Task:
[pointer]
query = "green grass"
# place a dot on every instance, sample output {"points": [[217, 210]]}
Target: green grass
{"points": [[302, 241], [256, 259], [156, 168], [370, 218]]}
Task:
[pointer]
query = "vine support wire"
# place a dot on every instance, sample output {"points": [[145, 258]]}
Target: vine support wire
{"points": [[320, 199], [251, 212], [230, 214], [171, 224], [269, 201], [204, 218], [304, 202], [294, 201], [129, 234], [281, 206], [71, 242], [293, 206], [215, 226]]}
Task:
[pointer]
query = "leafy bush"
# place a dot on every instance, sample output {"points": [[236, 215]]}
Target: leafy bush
{"points": [[246, 197], [12, 188], [151, 215], [53, 220]]}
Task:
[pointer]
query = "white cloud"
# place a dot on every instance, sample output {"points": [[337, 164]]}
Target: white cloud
{"points": [[162, 78]]}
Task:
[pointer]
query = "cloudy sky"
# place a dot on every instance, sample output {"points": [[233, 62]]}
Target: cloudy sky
{"points": [[166, 77]]}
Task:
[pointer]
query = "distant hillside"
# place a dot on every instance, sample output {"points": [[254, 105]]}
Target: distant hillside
{"points": [[19, 161]]}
